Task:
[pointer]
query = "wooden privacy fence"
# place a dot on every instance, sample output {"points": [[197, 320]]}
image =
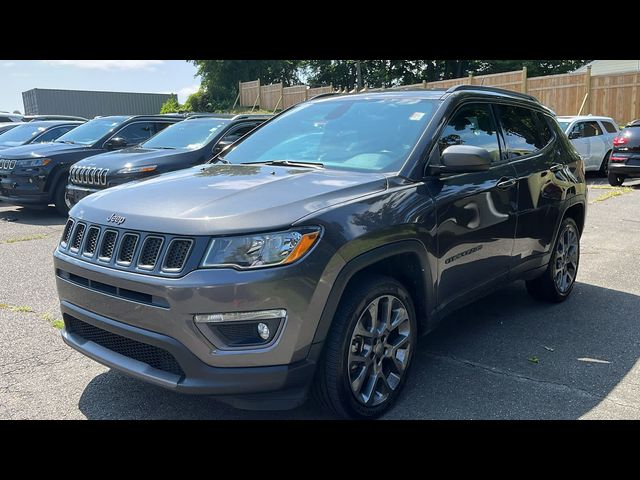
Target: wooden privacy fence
{"points": [[276, 96], [614, 95]]}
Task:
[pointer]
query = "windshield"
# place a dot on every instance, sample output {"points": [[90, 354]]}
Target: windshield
{"points": [[19, 135], [564, 125], [189, 134], [92, 131], [358, 134]]}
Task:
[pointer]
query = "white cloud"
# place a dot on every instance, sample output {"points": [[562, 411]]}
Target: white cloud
{"points": [[9, 64], [109, 64], [184, 93]]}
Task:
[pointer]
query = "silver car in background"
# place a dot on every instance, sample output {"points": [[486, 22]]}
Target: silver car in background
{"points": [[593, 138]]}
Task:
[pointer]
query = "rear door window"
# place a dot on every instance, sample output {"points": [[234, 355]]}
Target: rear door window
{"points": [[591, 129], [609, 127], [521, 128], [137, 132], [53, 133], [473, 125]]}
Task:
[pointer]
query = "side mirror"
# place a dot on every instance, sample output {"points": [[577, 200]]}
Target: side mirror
{"points": [[115, 143], [574, 135], [220, 146], [463, 159]]}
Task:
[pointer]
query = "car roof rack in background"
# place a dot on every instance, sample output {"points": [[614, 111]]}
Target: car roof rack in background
{"points": [[458, 88]]}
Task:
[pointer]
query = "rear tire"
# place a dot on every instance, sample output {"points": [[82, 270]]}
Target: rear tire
{"points": [[556, 283], [365, 364], [615, 180], [604, 166], [59, 198]]}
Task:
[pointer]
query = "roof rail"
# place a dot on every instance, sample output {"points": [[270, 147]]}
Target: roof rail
{"points": [[457, 88], [320, 95]]}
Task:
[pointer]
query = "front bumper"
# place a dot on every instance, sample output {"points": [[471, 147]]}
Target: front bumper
{"points": [[281, 385], [75, 193], [22, 189]]}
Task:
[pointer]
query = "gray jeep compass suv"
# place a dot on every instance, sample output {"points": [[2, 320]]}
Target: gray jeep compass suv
{"points": [[312, 255]]}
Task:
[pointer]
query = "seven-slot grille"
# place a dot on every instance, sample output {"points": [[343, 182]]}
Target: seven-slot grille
{"points": [[124, 249], [7, 164], [88, 176]]}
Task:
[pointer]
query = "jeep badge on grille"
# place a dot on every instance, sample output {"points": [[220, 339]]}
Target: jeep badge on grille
{"points": [[117, 219]]}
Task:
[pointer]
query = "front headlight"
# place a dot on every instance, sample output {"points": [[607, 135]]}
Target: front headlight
{"points": [[146, 168], [34, 162], [260, 250]]}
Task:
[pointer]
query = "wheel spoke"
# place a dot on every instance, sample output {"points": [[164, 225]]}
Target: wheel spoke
{"points": [[374, 314], [358, 382]]}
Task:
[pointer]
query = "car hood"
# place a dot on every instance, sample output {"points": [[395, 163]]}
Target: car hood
{"points": [[226, 199], [40, 150], [129, 156]]}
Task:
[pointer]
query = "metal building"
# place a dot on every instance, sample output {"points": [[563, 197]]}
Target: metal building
{"points": [[88, 104]]}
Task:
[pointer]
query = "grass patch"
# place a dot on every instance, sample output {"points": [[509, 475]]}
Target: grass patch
{"points": [[38, 236], [612, 192], [54, 321], [16, 308]]}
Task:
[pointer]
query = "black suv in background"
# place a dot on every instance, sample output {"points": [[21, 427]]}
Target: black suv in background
{"points": [[36, 175], [191, 142], [37, 131], [624, 161], [313, 253]]}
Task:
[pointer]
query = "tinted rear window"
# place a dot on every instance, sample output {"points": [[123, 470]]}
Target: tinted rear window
{"points": [[521, 128], [609, 127]]}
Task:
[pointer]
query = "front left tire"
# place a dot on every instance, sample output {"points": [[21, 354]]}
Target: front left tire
{"points": [[59, 200], [368, 350]]}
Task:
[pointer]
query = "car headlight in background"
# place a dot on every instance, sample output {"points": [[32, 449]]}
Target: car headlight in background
{"points": [[260, 250], [34, 162], [145, 168]]}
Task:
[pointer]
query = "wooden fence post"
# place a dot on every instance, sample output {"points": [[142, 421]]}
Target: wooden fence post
{"points": [[424, 84], [634, 99], [471, 79], [257, 102], [238, 98], [524, 79], [588, 89]]}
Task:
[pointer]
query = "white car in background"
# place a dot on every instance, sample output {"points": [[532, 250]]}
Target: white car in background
{"points": [[10, 117], [593, 138]]}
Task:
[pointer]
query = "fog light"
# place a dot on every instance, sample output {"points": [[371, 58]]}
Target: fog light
{"points": [[263, 331], [239, 316]]}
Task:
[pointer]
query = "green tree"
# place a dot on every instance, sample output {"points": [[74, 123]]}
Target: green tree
{"points": [[171, 105], [220, 77]]}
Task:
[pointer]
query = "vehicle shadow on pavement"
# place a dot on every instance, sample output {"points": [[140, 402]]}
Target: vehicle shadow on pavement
{"points": [[45, 217], [503, 357], [510, 357]]}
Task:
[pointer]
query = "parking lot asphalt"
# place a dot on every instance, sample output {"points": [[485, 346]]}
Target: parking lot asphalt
{"points": [[503, 357]]}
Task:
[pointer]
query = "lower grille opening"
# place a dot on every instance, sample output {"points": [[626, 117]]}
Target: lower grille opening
{"points": [[244, 334], [151, 355], [113, 290]]}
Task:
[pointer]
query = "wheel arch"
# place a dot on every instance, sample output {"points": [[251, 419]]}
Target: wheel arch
{"points": [[404, 261]]}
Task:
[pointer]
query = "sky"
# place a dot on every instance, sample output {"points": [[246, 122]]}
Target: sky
{"points": [[148, 76]]}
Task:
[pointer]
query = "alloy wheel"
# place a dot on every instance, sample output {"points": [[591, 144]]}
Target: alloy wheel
{"points": [[379, 350], [566, 259]]}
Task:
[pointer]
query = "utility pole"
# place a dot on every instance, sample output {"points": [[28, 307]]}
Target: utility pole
{"points": [[359, 83]]}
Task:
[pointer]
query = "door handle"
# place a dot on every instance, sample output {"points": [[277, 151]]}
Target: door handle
{"points": [[506, 182], [556, 167]]}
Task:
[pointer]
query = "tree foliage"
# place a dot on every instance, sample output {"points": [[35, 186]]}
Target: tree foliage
{"points": [[170, 106], [220, 78]]}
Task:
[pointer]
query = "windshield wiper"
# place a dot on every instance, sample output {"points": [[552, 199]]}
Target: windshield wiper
{"points": [[219, 160], [161, 148], [289, 163], [70, 142]]}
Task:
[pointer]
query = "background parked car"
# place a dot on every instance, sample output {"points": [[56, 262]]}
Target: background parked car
{"points": [[593, 138], [31, 118], [188, 143], [625, 159], [6, 126], [36, 132], [10, 117], [37, 175]]}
